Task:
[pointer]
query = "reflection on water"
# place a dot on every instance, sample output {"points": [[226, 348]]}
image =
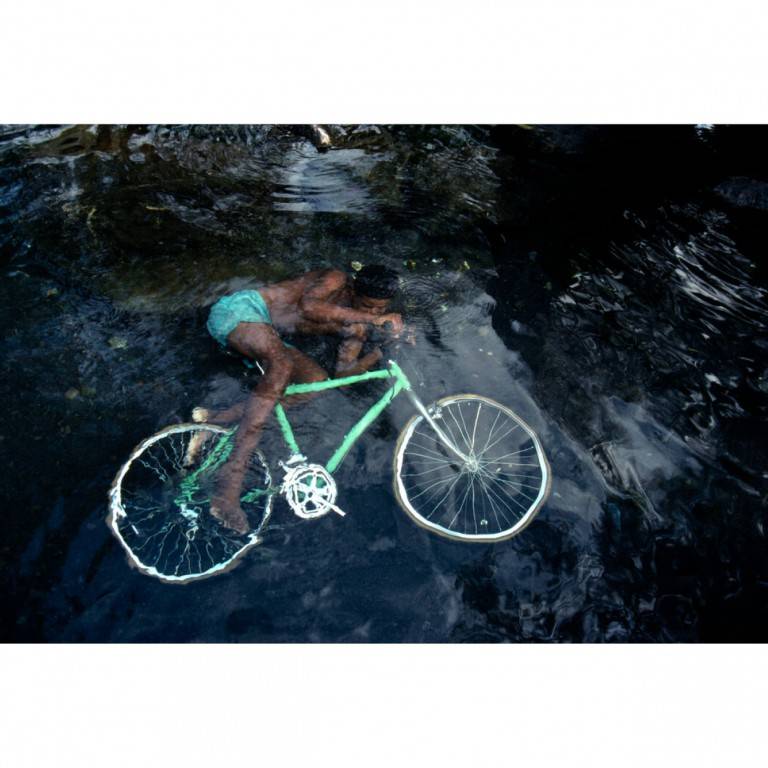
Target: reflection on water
{"points": [[333, 182], [607, 284]]}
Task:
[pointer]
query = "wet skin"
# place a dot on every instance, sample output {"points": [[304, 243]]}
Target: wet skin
{"points": [[322, 302]]}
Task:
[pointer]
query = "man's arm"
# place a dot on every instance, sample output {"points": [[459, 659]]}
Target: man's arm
{"points": [[348, 360], [318, 306]]}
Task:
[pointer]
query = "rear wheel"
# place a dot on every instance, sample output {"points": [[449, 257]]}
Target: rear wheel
{"points": [[160, 504], [490, 497]]}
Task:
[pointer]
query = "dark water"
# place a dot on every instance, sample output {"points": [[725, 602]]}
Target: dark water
{"points": [[608, 283]]}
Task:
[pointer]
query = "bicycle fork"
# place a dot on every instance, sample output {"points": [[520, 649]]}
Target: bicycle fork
{"points": [[420, 407]]}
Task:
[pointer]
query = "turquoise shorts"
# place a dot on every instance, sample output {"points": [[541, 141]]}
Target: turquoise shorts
{"points": [[240, 307]]}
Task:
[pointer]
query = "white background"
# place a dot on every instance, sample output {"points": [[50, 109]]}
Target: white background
{"points": [[395, 61], [399, 61]]}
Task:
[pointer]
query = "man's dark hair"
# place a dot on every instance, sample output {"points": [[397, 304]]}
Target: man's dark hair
{"points": [[376, 282]]}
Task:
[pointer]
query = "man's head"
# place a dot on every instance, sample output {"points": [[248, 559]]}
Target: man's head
{"points": [[374, 286]]}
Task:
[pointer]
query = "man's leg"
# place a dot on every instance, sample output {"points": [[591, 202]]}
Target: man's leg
{"points": [[256, 341], [282, 366], [304, 370]]}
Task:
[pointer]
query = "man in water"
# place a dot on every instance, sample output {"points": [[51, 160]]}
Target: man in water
{"points": [[325, 302]]}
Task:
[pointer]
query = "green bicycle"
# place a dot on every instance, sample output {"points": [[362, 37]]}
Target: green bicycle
{"points": [[465, 467]]}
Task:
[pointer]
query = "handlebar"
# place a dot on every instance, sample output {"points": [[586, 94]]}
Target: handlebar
{"points": [[383, 334]]}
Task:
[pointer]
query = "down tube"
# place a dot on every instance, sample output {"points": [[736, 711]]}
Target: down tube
{"points": [[373, 413]]}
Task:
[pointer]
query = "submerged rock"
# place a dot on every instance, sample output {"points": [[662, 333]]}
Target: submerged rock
{"points": [[117, 342], [744, 192]]}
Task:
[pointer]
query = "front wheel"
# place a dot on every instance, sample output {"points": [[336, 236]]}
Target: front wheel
{"points": [[490, 497]]}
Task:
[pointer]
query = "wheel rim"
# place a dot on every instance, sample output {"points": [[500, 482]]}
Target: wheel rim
{"points": [[160, 504], [491, 497]]}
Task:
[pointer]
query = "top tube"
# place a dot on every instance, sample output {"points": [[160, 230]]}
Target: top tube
{"points": [[393, 371]]}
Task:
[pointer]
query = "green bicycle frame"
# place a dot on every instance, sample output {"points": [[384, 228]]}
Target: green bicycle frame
{"points": [[223, 448], [401, 384], [392, 372]]}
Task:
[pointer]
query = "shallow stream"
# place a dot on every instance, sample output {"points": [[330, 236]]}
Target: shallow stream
{"points": [[607, 283]]}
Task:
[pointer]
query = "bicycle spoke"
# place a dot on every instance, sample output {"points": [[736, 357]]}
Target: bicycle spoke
{"points": [[513, 463], [474, 428], [501, 501], [513, 453], [447, 428], [511, 474], [489, 500], [511, 498], [490, 433], [462, 432], [499, 439], [442, 467], [431, 485], [516, 484], [458, 512], [466, 428], [432, 496], [447, 493], [497, 511], [431, 450], [442, 459]]}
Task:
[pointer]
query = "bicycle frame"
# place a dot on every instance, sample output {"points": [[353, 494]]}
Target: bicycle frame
{"points": [[400, 384]]}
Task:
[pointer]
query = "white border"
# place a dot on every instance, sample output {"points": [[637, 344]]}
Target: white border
{"points": [[373, 706], [691, 61], [326, 61]]}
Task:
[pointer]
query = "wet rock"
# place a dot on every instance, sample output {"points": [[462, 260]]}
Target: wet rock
{"points": [[337, 132], [365, 136], [117, 342], [367, 130], [314, 133], [320, 137], [744, 192]]}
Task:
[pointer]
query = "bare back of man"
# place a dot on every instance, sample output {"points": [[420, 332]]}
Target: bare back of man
{"points": [[321, 302]]}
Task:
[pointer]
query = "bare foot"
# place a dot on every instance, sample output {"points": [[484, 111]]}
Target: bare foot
{"points": [[230, 513], [195, 444], [225, 418], [200, 415]]}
